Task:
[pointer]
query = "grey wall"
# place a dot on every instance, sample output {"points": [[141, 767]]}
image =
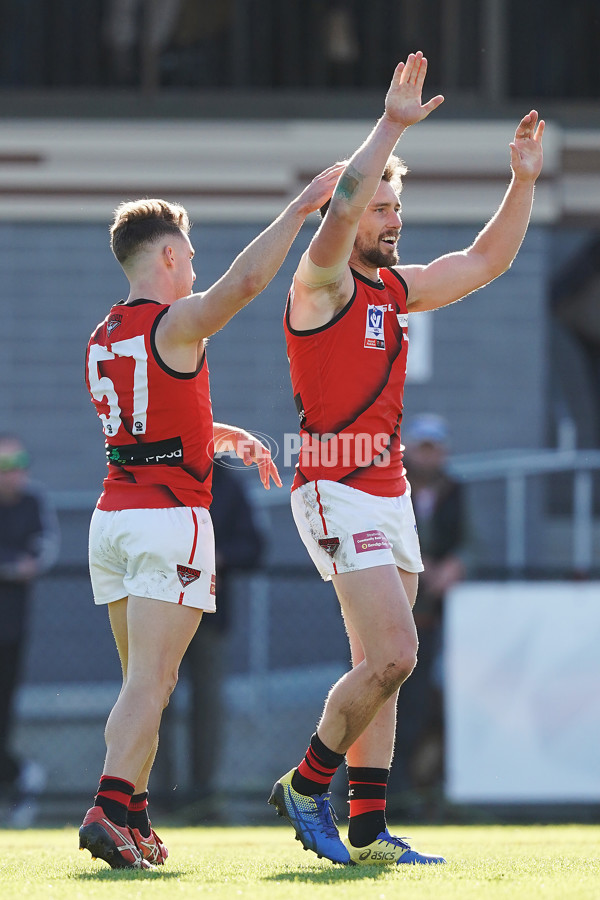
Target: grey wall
{"points": [[490, 361]]}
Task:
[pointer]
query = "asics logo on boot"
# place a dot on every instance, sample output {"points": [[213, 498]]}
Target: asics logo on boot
{"points": [[377, 854]]}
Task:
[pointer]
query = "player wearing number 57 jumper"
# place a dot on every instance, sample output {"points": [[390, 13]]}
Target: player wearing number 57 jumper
{"points": [[151, 548]]}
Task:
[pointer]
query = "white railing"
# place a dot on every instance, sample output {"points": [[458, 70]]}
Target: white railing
{"points": [[515, 467]]}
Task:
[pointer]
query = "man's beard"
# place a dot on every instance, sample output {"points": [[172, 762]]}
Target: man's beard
{"points": [[373, 256]]}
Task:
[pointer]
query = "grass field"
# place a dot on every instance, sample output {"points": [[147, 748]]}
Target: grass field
{"points": [[528, 862]]}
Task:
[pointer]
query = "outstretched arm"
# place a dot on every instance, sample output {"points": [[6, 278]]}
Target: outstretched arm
{"points": [[323, 282], [193, 318], [362, 175], [452, 277]]}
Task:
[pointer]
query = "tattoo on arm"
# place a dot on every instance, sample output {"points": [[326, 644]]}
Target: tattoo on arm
{"points": [[348, 184]]}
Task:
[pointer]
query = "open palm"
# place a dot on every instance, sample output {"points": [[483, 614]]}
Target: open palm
{"points": [[526, 155], [403, 100]]}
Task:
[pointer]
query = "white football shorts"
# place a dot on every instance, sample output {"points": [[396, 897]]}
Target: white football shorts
{"points": [[165, 554], [345, 529]]}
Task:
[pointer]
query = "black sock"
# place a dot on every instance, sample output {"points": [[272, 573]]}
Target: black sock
{"points": [[314, 774], [367, 789], [137, 814], [113, 797]]}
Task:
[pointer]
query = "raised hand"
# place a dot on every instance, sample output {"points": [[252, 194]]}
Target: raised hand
{"points": [[526, 154], [403, 100], [320, 189]]}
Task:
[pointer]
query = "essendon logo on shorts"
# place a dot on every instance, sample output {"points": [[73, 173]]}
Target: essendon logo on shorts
{"points": [[187, 575], [112, 323], [330, 545]]}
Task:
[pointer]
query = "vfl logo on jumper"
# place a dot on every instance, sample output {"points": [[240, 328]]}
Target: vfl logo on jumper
{"points": [[374, 336], [113, 323], [330, 545], [370, 540], [187, 575]]}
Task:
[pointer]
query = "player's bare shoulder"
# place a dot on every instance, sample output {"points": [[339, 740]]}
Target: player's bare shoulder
{"points": [[410, 276], [313, 307], [178, 349]]}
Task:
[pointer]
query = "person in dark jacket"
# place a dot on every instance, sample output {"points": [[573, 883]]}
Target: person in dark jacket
{"points": [[438, 502], [28, 547]]}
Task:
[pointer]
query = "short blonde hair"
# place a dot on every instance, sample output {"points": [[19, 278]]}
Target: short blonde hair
{"points": [[140, 222]]}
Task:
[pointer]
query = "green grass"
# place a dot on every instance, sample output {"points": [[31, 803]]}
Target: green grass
{"points": [[528, 862]]}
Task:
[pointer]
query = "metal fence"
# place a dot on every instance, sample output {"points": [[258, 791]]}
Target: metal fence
{"points": [[527, 512]]}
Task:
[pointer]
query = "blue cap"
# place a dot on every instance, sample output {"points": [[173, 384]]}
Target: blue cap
{"points": [[426, 429]]}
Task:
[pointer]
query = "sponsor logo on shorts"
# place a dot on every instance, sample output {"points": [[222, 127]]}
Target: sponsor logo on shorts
{"points": [[330, 545], [213, 585], [113, 323], [187, 575], [370, 540]]}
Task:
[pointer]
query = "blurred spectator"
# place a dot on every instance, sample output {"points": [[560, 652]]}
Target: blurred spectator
{"points": [[575, 299], [28, 547], [22, 44], [439, 510], [239, 546], [342, 44], [135, 32], [201, 53]]}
